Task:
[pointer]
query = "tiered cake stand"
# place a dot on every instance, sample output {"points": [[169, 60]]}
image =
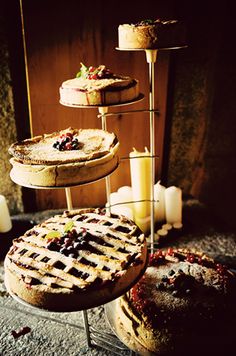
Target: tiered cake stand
{"points": [[151, 57]]}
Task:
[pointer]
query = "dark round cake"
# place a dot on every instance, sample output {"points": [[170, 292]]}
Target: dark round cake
{"points": [[184, 304]]}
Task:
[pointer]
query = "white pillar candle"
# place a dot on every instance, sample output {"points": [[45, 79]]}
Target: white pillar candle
{"points": [[123, 197], [159, 197], [173, 205], [126, 196], [5, 219], [140, 168], [115, 198], [122, 210]]}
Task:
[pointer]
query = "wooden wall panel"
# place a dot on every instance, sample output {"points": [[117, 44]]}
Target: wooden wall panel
{"points": [[61, 34]]}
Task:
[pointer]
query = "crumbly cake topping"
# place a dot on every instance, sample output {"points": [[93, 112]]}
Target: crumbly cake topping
{"points": [[89, 85], [175, 283], [98, 78], [76, 251], [78, 145], [157, 22]]}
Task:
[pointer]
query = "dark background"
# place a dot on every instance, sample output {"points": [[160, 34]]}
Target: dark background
{"points": [[195, 91]]}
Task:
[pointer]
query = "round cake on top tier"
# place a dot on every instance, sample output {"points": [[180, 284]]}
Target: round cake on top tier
{"points": [[77, 260], [63, 158], [152, 34], [98, 86], [183, 305]]}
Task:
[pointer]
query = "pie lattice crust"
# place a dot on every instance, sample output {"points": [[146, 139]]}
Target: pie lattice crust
{"points": [[109, 263]]}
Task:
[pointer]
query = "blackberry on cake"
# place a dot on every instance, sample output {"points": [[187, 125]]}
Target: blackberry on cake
{"points": [[184, 304], [152, 34], [98, 86]]}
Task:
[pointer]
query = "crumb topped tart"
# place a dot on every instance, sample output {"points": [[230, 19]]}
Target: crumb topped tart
{"points": [[63, 158], [75, 261], [152, 34], [98, 86], [178, 303]]}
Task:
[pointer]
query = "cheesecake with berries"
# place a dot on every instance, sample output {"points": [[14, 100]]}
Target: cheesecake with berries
{"points": [[152, 34], [98, 86], [74, 261], [64, 158], [184, 304]]}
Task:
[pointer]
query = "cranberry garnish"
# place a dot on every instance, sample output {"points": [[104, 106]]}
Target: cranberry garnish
{"points": [[21, 332], [221, 269], [93, 76], [190, 258], [159, 253], [170, 251], [91, 69], [68, 146]]}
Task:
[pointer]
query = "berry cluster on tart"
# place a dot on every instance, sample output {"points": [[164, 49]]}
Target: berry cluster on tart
{"points": [[98, 86], [64, 158]]}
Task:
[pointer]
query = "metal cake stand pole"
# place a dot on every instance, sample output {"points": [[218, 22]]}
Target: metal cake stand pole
{"points": [[84, 312], [103, 110], [151, 57], [68, 198]]}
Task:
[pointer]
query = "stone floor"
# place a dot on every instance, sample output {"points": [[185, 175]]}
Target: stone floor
{"points": [[59, 334]]}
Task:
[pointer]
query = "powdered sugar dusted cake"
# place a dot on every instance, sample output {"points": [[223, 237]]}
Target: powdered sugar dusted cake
{"points": [[151, 34], [63, 158], [185, 302], [98, 86]]}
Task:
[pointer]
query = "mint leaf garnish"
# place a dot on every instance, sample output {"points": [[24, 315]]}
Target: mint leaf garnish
{"points": [[53, 235], [83, 71], [68, 226]]}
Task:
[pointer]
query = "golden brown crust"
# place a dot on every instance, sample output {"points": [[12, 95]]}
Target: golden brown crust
{"points": [[70, 174], [98, 92], [37, 163], [181, 293], [160, 34], [102, 268], [94, 143]]}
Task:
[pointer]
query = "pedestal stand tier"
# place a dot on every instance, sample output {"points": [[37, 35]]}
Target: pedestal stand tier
{"points": [[151, 56]]}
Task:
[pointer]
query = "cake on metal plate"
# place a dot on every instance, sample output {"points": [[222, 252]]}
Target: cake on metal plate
{"points": [[77, 260], [152, 34], [98, 86], [64, 158], [183, 305]]}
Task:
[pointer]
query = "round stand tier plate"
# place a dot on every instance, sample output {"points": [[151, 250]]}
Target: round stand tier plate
{"points": [[123, 335], [23, 184], [139, 98], [95, 304], [151, 49]]}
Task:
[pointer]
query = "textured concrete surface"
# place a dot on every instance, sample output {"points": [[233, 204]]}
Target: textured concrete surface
{"points": [[62, 334], [7, 128], [57, 334]]}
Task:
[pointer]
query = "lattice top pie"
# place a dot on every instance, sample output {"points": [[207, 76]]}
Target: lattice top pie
{"points": [[75, 261]]}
